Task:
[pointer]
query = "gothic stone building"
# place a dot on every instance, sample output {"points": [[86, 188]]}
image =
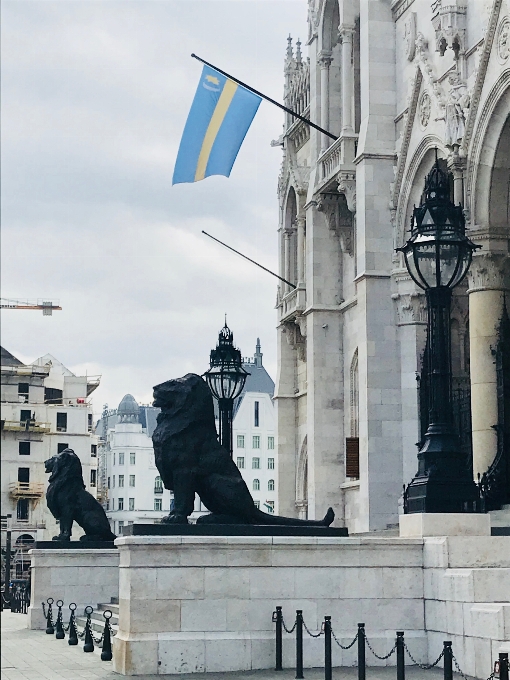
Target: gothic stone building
{"points": [[394, 80]]}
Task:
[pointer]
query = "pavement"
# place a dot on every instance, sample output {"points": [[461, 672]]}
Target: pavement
{"points": [[33, 655]]}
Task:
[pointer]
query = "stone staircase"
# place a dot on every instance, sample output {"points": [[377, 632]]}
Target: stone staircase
{"points": [[98, 621], [500, 521]]}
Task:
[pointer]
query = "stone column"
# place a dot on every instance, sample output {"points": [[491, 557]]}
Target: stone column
{"points": [[456, 167], [301, 250], [489, 280], [325, 63], [346, 35], [286, 251]]}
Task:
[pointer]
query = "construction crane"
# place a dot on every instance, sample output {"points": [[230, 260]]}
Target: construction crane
{"points": [[47, 306]]}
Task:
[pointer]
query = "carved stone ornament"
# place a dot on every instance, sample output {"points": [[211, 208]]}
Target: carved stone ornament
{"points": [[456, 110], [339, 219], [449, 23], [295, 339], [411, 309], [424, 108], [347, 186], [490, 271], [410, 35], [503, 40]]}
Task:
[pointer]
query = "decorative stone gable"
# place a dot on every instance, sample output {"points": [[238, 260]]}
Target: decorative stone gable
{"points": [[449, 21]]}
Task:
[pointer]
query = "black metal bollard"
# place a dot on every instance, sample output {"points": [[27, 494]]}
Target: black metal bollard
{"points": [[73, 633], [278, 620], [299, 643], [361, 652], [89, 643], [49, 625], [503, 666], [328, 667], [59, 628], [447, 660], [401, 667], [106, 652]]}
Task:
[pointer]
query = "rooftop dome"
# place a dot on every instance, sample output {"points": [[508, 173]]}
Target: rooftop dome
{"points": [[128, 410]]}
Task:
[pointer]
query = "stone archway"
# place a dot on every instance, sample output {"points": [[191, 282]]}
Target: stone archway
{"points": [[302, 481]]}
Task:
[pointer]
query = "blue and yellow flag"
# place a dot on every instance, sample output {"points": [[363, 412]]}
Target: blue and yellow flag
{"points": [[221, 113]]}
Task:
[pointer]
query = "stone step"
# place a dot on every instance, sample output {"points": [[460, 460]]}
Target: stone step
{"points": [[500, 518], [482, 620], [470, 552], [483, 585]]}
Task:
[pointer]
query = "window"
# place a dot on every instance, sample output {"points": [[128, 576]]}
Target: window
{"points": [[62, 447], [256, 504], [158, 485], [24, 415], [352, 457], [93, 477], [121, 526], [255, 442], [90, 424], [132, 458], [256, 419], [23, 392], [270, 463], [240, 462], [256, 484], [109, 482], [240, 441], [121, 459], [52, 395], [107, 504], [130, 522], [22, 509], [24, 448], [270, 485], [93, 450], [120, 504], [270, 443], [131, 505], [24, 475], [255, 463], [121, 481], [113, 482], [158, 504], [61, 422], [269, 507], [131, 480], [113, 459]]}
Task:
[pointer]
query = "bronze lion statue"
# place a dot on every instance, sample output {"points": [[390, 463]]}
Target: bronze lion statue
{"points": [[191, 461], [69, 502]]}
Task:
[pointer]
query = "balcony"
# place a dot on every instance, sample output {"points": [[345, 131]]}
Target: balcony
{"points": [[293, 303], [158, 489], [339, 156], [25, 426], [26, 490]]}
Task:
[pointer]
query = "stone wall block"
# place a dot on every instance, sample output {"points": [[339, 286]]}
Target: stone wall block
{"points": [[232, 583], [138, 583], [130, 655], [232, 654], [178, 583], [185, 653], [491, 585], [200, 615], [266, 584]]}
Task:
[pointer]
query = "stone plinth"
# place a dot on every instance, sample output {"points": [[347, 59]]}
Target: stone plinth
{"points": [[203, 603], [420, 525], [84, 576]]}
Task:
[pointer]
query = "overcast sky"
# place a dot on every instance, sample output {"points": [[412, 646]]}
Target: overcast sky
{"points": [[94, 100]]}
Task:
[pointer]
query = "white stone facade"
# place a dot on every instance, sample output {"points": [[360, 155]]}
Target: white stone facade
{"points": [[393, 81], [45, 408]]}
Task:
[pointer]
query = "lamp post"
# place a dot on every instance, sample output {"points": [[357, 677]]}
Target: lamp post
{"points": [[437, 256], [226, 378]]}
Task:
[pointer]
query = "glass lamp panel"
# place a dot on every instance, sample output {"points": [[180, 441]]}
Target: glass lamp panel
{"points": [[465, 256], [411, 267], [425, 255], [448, 261]]}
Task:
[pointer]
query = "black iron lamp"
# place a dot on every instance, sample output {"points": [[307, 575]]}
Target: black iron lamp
{"points": [[226, 378], [437, 256]]}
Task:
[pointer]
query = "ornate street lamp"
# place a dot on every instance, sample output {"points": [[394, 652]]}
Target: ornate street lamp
{"points": [[226, 377], [438, 255]]}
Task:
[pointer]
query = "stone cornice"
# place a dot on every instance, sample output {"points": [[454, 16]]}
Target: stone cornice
{"points": [[411, 309], [398, 7]]}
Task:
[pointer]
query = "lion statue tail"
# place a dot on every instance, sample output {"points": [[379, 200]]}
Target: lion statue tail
{"points": [[264, 518]]}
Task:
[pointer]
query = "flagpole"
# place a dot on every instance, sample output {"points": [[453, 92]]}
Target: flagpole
{"points": [[268, 99], [249, 259]]}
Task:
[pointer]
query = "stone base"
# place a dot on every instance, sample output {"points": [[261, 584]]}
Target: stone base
{"points": [[205, 604], [420, 525], [84, 576]]}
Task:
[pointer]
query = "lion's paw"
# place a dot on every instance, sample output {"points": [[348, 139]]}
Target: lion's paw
{"points": [[61, 537], [174, 519]]}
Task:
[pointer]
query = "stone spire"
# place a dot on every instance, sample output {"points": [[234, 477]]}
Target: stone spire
{"points": [[258, 354], [299, 57]]}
